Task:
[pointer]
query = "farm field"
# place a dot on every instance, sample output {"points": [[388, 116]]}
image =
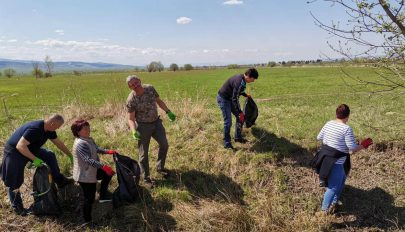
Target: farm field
{"points": [[266, 185]]}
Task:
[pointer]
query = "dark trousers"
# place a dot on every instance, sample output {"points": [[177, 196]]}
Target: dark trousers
{"points": [[227, 111], [13, 171], [15, 198], [157, 131], [50, 159], [89, 192]]}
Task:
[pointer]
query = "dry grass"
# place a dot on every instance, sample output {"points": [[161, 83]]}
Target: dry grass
{"points": [[264, 186]]}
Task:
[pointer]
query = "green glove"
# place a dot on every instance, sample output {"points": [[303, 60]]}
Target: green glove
{"points": [[171, 116], [37, 162], [136, 135], [71, 158]]}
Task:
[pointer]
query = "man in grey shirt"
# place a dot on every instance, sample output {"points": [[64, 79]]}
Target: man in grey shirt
{"points": [[144, 123]]}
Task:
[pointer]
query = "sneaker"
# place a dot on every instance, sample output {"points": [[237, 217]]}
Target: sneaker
{"points": [[64, 182], [19, 210], [241, 140]]}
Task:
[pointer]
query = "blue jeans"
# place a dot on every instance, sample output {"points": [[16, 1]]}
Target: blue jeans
{"points": [[336, 182], [227, 111]]}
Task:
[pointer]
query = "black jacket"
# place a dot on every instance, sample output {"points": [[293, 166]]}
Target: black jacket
{"points": [[324, 160], [251, 112], [232, 89]]}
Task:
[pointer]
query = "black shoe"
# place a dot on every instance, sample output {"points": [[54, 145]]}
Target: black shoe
{"points": [[322, 183], [20, 211], [164, 172], [242, 140], [106, 197], [149, 183], [65, 181], [229, 146]]}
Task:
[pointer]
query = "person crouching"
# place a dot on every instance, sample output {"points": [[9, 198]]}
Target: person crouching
{"points": [[87, 168]]}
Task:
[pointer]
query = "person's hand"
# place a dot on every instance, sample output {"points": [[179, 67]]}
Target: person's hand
{"points": [[241, 117], [248, 96], [111, 152], [37, 162], [366, 143], [171, 116], [136, 135], [108, 170]]}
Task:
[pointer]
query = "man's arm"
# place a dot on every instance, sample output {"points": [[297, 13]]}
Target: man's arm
{"points": [[162, 105], [132, 121], [22, 147], [59, 144]]}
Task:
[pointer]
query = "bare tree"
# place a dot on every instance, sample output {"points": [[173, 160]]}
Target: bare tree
{"points": [[36, 70], [374, 30], [9, 72], [49, 66]]}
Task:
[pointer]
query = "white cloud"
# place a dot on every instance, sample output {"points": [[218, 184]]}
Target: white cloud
{"points": [[60, 32], [12, 40], [183, 20], [233, 2], [206, 51]]}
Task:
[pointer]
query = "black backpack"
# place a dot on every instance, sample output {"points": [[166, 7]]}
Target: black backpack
{"points": [[251, 112], [128, 175], [46, 200]]}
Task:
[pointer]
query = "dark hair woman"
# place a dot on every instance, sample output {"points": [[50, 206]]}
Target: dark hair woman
{"points": [[87, 168]]}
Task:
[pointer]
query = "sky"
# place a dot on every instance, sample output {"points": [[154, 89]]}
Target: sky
{"points": [[136, 32]]}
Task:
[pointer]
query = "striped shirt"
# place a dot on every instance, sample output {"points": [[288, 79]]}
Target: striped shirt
{"points": [[339, 136], [84, 152]]}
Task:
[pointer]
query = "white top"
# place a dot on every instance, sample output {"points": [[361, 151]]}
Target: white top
{"points": [[339, 136]]}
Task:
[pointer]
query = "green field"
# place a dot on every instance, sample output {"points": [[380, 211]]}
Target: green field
{"points": [[265, 185]]}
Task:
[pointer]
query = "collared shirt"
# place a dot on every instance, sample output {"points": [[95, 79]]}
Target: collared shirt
{"points": [[144, 106]]}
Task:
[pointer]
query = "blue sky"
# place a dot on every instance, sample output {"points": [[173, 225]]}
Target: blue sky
{"points": [[171, 31]]}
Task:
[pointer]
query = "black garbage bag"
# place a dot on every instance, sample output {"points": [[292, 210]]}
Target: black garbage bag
{"points": [[251, 112], [128, 175], [46, 199]]}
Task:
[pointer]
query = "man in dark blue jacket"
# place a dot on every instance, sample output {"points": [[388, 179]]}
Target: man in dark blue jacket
{"points": [[24, 145], [228, 101]]}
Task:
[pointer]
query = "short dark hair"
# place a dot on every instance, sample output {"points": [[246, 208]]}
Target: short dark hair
{"points": [[78, 126], [252, 72], [342, 111]]}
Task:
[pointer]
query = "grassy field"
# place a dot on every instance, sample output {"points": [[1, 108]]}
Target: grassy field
{"points": [[265, 185]]}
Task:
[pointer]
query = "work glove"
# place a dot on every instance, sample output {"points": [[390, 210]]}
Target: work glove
{"points": [[241, 117], [136, 135], [108, 170], [111, 152], [37, 162], [366, 143], [171, 116]]}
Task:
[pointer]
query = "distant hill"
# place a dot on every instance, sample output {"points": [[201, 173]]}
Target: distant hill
{"points": [[25, 66]]}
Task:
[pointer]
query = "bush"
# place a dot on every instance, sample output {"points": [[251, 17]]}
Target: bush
{"points": [[233, 66], [174, 67], [188, 67]]}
